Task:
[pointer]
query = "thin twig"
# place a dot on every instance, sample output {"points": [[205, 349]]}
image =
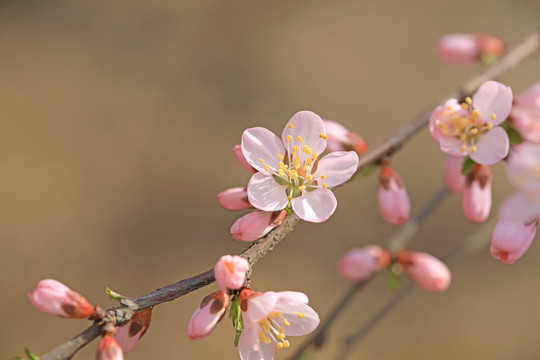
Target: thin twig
{"points": [[524, 49]]}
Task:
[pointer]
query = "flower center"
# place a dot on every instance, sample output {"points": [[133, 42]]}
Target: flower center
{"points": [[273, 329]]}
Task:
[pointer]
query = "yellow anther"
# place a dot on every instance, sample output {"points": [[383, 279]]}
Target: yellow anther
{"points": [[309, 161], [289, 198], [281, 165], [281, 336], [295, 148], [281, 329], [300, 315], [281, 157], [307, 150], [463, 148], [465, 106], [267, 341], [475, 114], [472, 149], [286, 322], [451, 113], [474, 131], [286, 344], [443, 113], [314, 156], [265, 325], [267, 167], [305, 168], [279, 346], [299, 139], [489, 126], [324, 185], [291, 125], [309, 177], [493, 116], [443, 125], [323, 176], [293, 153], [462, 137], [322, 136], [289, 138], [261, 336], [301, 188], [281, 172], [468, 100], [261, 160], [445, 131]]}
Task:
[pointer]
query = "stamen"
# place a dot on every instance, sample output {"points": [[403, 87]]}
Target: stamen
{"points": [[279, 346], [291, 125], [315, 156], [468, 100], [323, 176], [299, 139], [261, 336], [289, 198], [463, 137], [493, 116], [267, 167], [474, 131], [281, 157], [475, 114], [322, 136], [289, 138], [465, 106], [463, 148], [281, 336], [324, 185], [295, 148], [309, 177], [286, 344], [307, 150], [281, 172], [489, 126], [300, 315], [286, 322], [261, 160], [301, 188], [472, 149]]}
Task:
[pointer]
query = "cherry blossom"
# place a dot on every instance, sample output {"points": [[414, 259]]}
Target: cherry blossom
{"points": [[525, 113], [230, 272], [471, 128], [52, 297], [511, 239], [290, 171]]}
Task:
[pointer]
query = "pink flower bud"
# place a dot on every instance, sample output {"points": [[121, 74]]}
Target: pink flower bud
{"points": [[230, 272], [467, 49], [358, 264], [129, 334], [234, 199], [342, 139], [255, 225], [237, 151], [205, 318], [394, 204], [109, 349], [52, 297], [511, 239], [454, 180], [426, 271], [477, 194]]}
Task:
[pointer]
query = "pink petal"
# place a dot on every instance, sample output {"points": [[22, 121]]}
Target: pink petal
{"points": [[299, 325], [477, 202], [234, 199], [493, 98], [529, 96], [338, 167], [315, 206], [458, 49], [522, 166], [453, 178], [259, 306], [511, 239], [451, 146], [237, 151], [260, 143], [292, 298], [518, 206], [337, 136], [261, 351], [309, 126], [491, 147], [252, 226], [266, 194]]}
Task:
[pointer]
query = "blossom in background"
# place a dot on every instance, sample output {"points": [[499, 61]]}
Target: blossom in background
{"points": [[234, 199], [269, 318], [525, 113], [208, 314], [255, 225], [129, 334], [477, 194], [342, 139], [471, 128], [359, 264], [393, 201], [109, 349], [511, 239], [453, 178], [467, 49], [425, 270], [290, 171], [230, 272], [52, 297]]}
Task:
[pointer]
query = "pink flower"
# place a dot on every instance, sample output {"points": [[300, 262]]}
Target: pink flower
{"points": [[255, 225], [269, 318], [511, 239], [477, 194], [467, 49], [234, 199], [290, 171], [342, 139], [394, 204], [523, 168], [454, 180], [471, 128], [521, 206], [129, 334], [109, 349], [230, 272], [525, 114], [52, 297], [208, 314], [359, 264], [426, 271], [237, 151]]}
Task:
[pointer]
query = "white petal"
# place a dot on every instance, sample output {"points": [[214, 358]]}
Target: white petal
{"points": [[265, 193], [292, 298], [315, 206], [260, 306], [493, 98], [260, 143], [338, 167], [300, 325], [250, 347], [491, 147], [309, 126]]}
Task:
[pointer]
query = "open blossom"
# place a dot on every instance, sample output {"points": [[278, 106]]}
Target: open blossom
{"points": [[109, 349], [394, 203], [290, 171], [342, 139], [208, 314], [234, 199], [230, 272], [129, 334], [425, 270], [477, 194], [359, 264], [471, 128], [237, 151], [52, 297], [467, 49], [269, 318], [255, 225], [453, 178], [511, 239], [525, 113]]}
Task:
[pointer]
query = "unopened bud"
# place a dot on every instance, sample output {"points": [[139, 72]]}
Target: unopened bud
{"points": [[230, 272], [394, 203], [477, 194], [453, 178], [129, 334], [109, 349], [52, 297], [425, 270], [342, 139], [468, 49], [511, 239], [359, 264], [208, 314], [234, 199], [255, 225]]}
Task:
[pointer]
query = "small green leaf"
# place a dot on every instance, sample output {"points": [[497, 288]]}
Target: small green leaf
{"points": [[114, 295], [280, 180], [488, 59], [30, 355], [393, 281], [514, 136], [288, 210], [235, 313], [468, 164]]}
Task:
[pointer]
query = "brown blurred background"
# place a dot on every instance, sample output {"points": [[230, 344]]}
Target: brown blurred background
{"points": [[117, 121]]}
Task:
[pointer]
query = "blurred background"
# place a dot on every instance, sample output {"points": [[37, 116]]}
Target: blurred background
{"points": [[117, 123]]}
